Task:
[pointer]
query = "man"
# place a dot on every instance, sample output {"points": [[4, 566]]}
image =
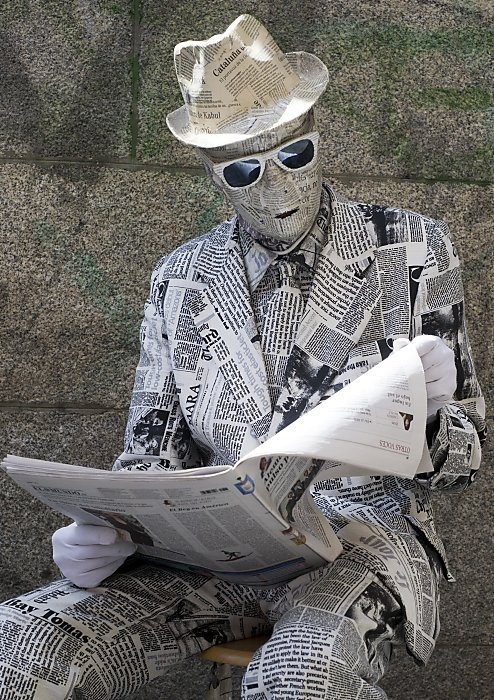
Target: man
{"points": [[245, 329]]}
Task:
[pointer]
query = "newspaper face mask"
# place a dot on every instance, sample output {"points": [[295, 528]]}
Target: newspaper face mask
{"points": [[276, 192]]}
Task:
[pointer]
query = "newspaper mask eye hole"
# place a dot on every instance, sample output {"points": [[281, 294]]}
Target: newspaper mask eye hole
{"points": [[297, 155], [242, 173]]}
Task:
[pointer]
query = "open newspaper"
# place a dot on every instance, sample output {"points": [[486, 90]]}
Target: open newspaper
{"points": [[254, 522]]}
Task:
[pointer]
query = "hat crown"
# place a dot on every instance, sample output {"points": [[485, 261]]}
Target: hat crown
{"points": [[232, 75], [239, 84]]}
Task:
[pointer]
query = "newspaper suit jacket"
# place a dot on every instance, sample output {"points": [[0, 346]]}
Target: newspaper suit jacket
{"points": [[200, 394]]}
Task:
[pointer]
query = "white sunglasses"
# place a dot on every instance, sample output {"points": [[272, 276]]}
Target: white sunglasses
{"points": [[296, 154]]}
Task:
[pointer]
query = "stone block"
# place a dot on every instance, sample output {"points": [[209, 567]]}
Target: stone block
{"points": [[410, 91], [185, 681], [80, 245], [66, 79], [410, 96], [460, 672]]}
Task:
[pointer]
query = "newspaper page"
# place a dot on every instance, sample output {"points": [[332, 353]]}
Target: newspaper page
{"points": [[209, 521], [376, 424], [254, 522]]}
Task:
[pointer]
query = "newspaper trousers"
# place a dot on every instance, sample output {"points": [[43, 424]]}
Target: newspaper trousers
{"points": [[333, 633]]}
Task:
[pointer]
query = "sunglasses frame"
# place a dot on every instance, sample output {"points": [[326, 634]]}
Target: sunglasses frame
{"points": [[262, 158]]}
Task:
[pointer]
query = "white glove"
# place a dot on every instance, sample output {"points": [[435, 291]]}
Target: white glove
{"points": [[87, 554], [438, 361]]}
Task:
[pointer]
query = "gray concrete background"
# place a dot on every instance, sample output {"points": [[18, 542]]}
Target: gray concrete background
{"points": [[94, 190]]}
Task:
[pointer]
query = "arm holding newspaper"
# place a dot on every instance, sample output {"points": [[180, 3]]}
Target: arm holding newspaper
{"points": [[157, 436], [456, 414]]}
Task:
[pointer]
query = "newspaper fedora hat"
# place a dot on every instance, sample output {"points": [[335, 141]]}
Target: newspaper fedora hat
{"points": [[240, 84]]}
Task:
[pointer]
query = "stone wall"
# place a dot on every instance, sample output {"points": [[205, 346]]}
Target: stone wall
{"points": [[94, 190]]}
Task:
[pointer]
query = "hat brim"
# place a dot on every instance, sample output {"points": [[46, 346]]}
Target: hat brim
{"points": [[313, 76]]}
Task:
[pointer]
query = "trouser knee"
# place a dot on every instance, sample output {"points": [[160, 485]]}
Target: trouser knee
{"points": [[309, 651], [36, 655]]}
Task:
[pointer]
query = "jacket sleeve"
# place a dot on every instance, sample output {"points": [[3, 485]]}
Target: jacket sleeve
{"points": [[157, 436], [456, 437]]}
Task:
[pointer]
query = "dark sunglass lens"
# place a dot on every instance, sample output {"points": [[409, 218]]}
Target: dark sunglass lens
{"points": [[242, 173], [297, 154]]}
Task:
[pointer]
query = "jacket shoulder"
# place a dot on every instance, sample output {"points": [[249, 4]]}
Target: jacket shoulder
{"points": [[197, 257], [389, 225]]}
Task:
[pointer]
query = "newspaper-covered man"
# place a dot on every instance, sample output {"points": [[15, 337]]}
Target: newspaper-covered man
{"points": [[246, 328]]}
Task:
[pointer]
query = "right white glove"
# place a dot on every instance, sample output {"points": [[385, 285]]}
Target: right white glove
{"points": [[438, 362], [87, 554]]}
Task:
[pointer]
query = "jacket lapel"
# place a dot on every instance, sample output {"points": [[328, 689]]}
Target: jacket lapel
{"points": [[345, 290], [225, 320]]}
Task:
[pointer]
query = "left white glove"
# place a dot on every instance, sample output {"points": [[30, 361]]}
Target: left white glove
{"points": [[438, 361]]}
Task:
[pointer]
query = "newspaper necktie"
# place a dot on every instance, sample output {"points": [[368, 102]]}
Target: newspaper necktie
{"points": [[281, 320]]}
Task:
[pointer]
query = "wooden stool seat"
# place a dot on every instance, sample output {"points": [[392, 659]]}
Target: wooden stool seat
{"points": [[237, 653]]}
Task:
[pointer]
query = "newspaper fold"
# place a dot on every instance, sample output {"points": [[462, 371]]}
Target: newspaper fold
{"points": [[254, 522]]}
